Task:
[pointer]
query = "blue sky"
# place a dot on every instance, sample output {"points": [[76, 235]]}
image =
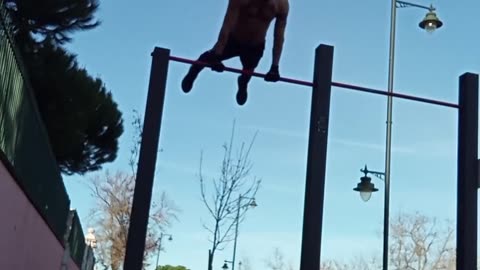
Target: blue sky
{"points": [[424, 136]]}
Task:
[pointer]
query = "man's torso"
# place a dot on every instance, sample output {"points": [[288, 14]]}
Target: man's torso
{"points": [[254, 19]]}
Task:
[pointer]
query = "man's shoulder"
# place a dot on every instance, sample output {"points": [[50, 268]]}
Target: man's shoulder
{"points": [[239, 2], [283, 7]]}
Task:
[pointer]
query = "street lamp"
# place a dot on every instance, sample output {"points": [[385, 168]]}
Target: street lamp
{"points": [[252, 203], [366, 187], [225, 266], [90, 238], [430, 23], [170, 238], [90, 241]]}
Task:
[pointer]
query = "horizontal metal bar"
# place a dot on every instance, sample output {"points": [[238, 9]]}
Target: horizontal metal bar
{"points": [[240, 71], [372, 172], [337, 84], [413, 5], [398, 95]]}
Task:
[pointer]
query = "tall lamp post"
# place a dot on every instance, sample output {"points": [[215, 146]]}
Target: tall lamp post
{"points": [[365, 187], [252, 203], [90, 242], [430, 23], [170, 238]]}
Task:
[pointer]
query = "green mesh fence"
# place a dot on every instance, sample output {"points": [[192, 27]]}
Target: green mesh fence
{"points": [[76, 240], [23, 138]]}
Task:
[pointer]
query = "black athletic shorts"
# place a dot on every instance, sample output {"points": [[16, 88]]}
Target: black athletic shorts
{"points": [[249, 55]]}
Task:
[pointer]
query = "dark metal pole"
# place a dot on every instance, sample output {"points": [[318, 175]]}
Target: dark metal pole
{"points": [[467, 173], [386, 223], [237, 219], [388, 134], [147, 160], [317, 159]]}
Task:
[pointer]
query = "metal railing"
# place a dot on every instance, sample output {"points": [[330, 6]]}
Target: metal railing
{"points": [[25, 145]]}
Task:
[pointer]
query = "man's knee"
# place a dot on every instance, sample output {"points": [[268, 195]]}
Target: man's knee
{"points": [[206, 55], [248, 70], [247, 74], [250, 62], [244, 79]]}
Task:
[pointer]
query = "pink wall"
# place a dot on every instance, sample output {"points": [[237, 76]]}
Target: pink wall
{"points": [[26, 241]]}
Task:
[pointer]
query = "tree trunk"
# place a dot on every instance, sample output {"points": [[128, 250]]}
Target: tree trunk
{"points": [[210, 259]]}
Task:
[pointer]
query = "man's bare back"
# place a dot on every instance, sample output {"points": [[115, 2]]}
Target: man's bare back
{"points": [[243, 35]]}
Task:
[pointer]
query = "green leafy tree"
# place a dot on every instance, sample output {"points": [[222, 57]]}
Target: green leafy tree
{"points": [[56, 19], [82, 120], [171, 267]]}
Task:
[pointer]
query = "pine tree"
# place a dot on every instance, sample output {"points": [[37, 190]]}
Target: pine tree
{"points": [[82, 120], [55, 19]]}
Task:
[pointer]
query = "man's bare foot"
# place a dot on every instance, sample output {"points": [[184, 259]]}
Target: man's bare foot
{"points": [[242, 91], [187, 82]]}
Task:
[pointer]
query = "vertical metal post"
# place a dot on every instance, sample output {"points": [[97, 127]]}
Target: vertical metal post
{"points": [[147, 160], [388, 139], [317, 159], [237, 219], [467, 172]]}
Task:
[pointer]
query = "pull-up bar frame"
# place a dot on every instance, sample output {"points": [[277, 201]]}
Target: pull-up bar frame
{"points": [[336, 84], [467, 167]]}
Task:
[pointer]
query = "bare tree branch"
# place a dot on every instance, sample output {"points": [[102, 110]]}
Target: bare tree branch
{"points": [[113, 195], [232, 183], [421, 243], [417, 242]]}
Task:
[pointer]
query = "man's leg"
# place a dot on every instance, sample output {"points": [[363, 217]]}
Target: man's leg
{"points": [[242, 93], [250, 59], [187, 82], [195, 69]]}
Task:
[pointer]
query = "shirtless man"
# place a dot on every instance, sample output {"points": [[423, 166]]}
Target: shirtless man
{"points": [[243, 34]]}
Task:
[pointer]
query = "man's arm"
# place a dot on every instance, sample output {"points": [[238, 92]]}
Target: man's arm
{"points": [[228, 23], [279, 32]]}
